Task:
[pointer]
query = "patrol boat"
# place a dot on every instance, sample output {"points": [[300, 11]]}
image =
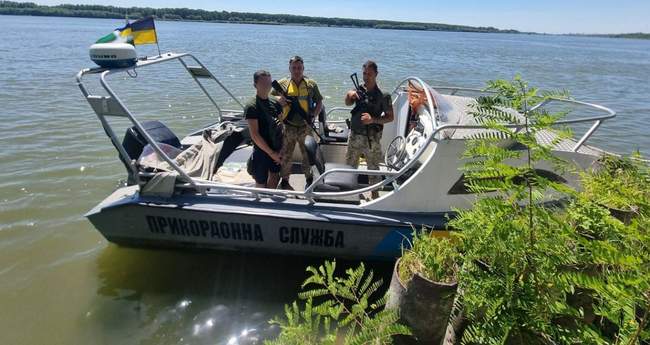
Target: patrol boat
{"points": [[420, 181]]}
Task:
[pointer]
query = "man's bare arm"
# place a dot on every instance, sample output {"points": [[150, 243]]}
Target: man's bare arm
{"points": [[351, 97], [388, 117], [253, 127]]}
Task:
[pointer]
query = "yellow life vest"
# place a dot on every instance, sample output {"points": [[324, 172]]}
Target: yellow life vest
{"points": [[302, 92]]}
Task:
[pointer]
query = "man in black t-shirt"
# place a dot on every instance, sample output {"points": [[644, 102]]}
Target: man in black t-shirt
{"points": [[266, 132], [367, 123]]}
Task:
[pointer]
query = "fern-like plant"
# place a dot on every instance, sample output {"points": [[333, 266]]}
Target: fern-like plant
{"points": [[616, 254], [515, 246], [341, 310], [616, 184]]}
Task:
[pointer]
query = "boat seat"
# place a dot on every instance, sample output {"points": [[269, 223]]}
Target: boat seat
{"points": [[338, 133], [333, 182], [342, 181], [314, 154], [339, 137]]}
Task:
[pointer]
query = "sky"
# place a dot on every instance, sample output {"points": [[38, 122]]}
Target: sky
{"points": [[549, 16]]}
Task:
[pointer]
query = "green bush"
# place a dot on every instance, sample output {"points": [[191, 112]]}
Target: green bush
{"points": [[434, 258], [619, 184], [339, 309], [535, 273]]}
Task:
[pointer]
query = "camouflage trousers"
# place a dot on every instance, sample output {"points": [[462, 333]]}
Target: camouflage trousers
{"points": [[367, 145], [295, 135]]}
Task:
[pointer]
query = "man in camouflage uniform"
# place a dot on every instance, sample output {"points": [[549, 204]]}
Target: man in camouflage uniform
{"points": [[367, 123], [296, 128]]}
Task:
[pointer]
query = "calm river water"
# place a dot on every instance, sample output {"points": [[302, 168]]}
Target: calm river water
{"points": [[62, 283]]}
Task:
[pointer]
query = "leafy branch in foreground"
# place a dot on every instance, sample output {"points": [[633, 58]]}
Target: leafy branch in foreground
{"points": [[527, 263], [339, 309]]}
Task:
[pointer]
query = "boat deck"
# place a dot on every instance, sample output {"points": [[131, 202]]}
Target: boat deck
{"points": [[234, 172], [462, 108]]}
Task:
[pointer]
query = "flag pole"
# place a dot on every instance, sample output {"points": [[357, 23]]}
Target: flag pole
{"points": [[156, 34]]}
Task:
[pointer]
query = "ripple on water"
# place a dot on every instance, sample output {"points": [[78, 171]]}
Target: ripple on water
{"points": [[55, 266]]}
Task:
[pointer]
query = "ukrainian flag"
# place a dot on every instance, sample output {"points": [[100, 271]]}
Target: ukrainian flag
{"points": [[141, 31]]}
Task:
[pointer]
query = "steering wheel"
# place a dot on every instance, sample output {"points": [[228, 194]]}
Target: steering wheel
{"points": [[414, 141], [395, 156]]}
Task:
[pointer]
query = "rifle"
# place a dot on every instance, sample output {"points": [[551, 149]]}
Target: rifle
{"points": [[361, 105], [295, 107]]}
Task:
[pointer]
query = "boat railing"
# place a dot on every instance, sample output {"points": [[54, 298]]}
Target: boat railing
{"points": [[597, 120], [310, 193], [197, 71], [336, 109], [111, 105]]}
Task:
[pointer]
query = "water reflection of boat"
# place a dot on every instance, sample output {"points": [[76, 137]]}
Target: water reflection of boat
{"points": [[420, 181]]}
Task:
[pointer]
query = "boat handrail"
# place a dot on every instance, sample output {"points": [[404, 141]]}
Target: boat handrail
{"points": [[309, 193], [204, 185], [336, 109], [123, 110], [327, 114], [329, 111], [143, 131], [596, 119], [455, 89], [148, 61], [201, 185]]}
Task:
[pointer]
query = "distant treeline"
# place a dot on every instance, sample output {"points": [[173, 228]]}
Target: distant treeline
{"points": [[638, 35], [186, 14], [635, 35]]}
